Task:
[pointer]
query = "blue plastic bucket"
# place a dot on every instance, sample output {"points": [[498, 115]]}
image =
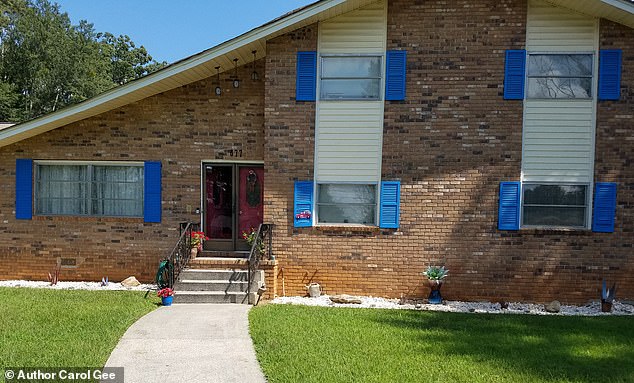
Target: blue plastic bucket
{"points": [[167, 301]]}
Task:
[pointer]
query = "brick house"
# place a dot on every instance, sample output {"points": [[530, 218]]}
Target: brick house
{"points": [[378, 137]]}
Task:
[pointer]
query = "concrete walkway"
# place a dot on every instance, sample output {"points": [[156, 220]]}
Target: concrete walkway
{"points": [[189, 343]]}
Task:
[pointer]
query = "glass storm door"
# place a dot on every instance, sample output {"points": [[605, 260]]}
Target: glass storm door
{"points": [[250, 201], [233, 204]]}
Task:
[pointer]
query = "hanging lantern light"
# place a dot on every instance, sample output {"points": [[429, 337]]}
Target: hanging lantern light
{"points": [[236, 82], [218, 88], [254, 75]]}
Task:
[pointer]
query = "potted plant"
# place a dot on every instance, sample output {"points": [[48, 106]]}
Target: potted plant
{"points": [[197, 238], [250, 237], [435, 275], [607, 297], [167, 296]]}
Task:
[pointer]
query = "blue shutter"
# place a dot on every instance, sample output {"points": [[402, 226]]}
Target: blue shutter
{"points": [[390, 204], [306, 84], [514, 74], [152, 192], [509, 208], [610, 74], [604, 207], [395, 68], [23, 189], [303, 204]]}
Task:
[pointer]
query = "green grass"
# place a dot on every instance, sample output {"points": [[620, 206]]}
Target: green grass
{"points": [[61, 328], [329, 345]]}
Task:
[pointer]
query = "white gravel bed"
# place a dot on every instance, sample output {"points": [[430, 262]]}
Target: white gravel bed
{"points": [[591, 309], [75, 285]]}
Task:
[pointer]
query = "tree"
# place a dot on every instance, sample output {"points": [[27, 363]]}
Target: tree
{"points": [[127, 62], [47, 63]]}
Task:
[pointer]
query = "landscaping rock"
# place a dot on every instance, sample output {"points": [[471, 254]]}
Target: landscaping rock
{"points": [[591, 309], [553, 307], [74, 285], [345, 299], [130, 282]]}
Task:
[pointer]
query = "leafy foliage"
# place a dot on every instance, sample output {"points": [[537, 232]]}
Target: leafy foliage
{"points": [[47, 63], [198, 237], [251, 237], [435, 273]]}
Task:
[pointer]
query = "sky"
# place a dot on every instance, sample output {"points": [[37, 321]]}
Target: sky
{"points": [[171, 30]]}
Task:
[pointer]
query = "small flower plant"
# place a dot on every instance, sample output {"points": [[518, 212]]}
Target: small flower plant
{"points": [[197, 239], [435, 273], [250, 237], [166, 292]]}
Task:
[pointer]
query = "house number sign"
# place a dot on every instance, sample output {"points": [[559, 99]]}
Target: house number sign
{"points": [[235, 152]]}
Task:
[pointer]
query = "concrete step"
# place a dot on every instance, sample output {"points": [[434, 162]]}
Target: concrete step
{"points": [[211, 285], [217, 263], [212, 297], [214, 275], [223, 254]]}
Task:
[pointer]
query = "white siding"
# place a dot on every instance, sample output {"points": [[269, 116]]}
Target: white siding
{"points": [[360, 31], [558, 135], [558, 144], [349, 141], [349, 134], [554, 29]]}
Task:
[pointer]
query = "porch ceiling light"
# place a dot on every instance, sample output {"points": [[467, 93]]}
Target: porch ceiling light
{"points": [[254, 75], [218, 89], [236, 82]]}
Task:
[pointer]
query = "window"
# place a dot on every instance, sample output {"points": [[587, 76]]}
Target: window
{"points": [[89, 189], [350, 78], [555, 205], [346, 203], [560, 76]]}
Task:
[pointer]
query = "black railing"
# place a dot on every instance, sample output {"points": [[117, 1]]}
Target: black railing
{"points": [[181, 254], [260, 249]]}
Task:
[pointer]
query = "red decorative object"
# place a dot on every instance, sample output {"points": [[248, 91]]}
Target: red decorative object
{"points": [[197, 239], [166, 292], [303, 215]]}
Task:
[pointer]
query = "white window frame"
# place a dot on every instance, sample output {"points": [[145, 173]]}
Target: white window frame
{"points": [[380, 77], [377, 204], [587, 206], [89, 182], [592, 77]]}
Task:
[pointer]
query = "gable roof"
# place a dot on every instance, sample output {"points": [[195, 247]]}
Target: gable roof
{"points": [[201, 65], [620, 11], [183, 72]]}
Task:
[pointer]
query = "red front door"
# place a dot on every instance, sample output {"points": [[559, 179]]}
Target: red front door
{"points": [[233, 204], [250, 198]]}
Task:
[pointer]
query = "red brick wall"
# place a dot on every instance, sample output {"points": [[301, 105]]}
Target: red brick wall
{"points": [[614, 160], [290, 148], [455, 61], [181, 128], [453, 140], [450, 143]]}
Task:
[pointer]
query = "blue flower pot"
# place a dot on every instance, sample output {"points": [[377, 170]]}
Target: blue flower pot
{"points": [[434, 295], [167, 301]]}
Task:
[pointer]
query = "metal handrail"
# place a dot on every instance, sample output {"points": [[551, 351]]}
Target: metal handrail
{"points": [[263, 236], [181, 253]]}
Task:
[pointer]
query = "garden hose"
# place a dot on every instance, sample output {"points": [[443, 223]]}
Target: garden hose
{"points": [[163, 274]]}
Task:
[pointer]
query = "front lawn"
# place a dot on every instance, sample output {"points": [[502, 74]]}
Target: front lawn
{"points": [[65, 328], [329, 345]]}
